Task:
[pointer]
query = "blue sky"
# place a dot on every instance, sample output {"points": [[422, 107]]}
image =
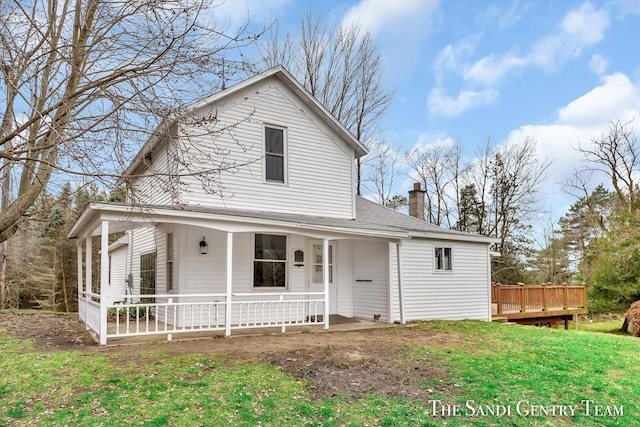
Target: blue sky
{"points": [[556, 71]]}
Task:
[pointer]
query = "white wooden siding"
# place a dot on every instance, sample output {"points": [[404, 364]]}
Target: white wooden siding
{"points": [[394, 297], [119, 271], [319, 165], [144, 242], [460, 294], [343, 262], [207, 273], [371, 278], [153, 186]]}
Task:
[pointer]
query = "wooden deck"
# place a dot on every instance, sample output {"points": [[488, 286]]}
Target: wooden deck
{"points": [[537, 304]]}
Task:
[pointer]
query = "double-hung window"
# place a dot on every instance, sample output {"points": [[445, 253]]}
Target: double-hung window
{"points": [[270, 261], [169, 262], [443, 259], [274, 154]]}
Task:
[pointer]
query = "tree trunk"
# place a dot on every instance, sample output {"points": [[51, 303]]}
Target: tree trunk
{"points": [[3, 273], [53, 282], [64, 286]]}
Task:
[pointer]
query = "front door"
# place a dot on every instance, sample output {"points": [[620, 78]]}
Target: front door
{"points": [[316, 278]]}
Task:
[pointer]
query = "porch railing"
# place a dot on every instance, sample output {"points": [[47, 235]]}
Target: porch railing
{"points": [[181, 313], [523, 298]]}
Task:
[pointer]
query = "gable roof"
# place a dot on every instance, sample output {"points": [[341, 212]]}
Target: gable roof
{"points": [[279, 73]]}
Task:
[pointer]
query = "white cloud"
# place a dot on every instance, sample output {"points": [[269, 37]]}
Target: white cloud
{"points": [[617, 97], [441, 104], [598, 64], [623, 8], [399, 17], [453, 56], [399, 26], [585, 26], [579, 29], [503, 15], [491, 69], [577, 123]]}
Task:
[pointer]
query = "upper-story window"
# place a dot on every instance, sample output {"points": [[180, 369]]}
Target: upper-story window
{"points": [[274, 153], [443, 259]]}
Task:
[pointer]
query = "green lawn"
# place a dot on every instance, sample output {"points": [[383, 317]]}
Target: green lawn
{"points": [[500, 375], [605, 326]]}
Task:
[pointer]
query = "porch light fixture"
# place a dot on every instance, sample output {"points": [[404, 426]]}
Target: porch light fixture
{"points": [[204, 246]]}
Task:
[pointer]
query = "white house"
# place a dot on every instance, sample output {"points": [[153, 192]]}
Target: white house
{"points": [[281, 239]]}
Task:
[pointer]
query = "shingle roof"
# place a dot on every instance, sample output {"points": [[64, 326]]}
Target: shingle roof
{"points": [[370, 217]]}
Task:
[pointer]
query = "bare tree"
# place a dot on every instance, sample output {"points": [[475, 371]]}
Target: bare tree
{"points": [[341, 67], [617, 155], [439, 167], [383, 169], [551, 263], [86, 81]]}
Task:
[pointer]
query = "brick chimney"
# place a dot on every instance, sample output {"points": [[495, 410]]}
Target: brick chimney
{"points": [[416, 201]]}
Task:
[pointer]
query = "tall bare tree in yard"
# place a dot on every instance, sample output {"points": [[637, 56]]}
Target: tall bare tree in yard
{"points": [[383, 170], [588, 219], [85, 82], [551, 260], [617, 155], [341, 67], [605, 222], [440, 168], [516, 176]]}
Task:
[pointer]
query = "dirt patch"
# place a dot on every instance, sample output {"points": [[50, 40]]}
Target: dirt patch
{"points": [[50, 331], [351, 363], [334, 370]]}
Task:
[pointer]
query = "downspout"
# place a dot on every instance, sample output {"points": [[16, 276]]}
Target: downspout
{"points": [[129, 289], [490, 305], [400, 290]]}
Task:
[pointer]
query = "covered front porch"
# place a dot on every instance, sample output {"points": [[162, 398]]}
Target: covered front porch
{"points": [[322, 272]]}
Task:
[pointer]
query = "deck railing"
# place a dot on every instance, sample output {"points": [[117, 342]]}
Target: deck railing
{"points": [[170, 314], [545, 297]]}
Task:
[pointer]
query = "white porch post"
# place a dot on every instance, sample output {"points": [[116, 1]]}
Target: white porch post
{"points": [[88, 244], [325, 279], [79, 259], [227, 322], [87, 263], [400, 292], [104, 280]]}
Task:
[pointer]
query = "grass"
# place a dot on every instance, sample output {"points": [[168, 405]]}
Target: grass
{"points": [[609, 326], [494, 367]]}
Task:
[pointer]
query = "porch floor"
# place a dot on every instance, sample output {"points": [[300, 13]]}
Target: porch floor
{"points": [[336, 323]]}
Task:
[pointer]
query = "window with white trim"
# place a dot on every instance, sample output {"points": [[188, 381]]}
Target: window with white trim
{"points": [[270, 261], [274, 154], [318, 265], [443, 258], [169, 262]]}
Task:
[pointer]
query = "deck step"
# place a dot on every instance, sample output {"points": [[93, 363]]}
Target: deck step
{"points": [[499, 319]]}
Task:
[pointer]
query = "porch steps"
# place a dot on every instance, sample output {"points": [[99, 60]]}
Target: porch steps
{"points": [[499, 319]]}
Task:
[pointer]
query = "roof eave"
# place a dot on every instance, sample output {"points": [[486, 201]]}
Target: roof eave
{"points": [[85, 218], [443, 235]]}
